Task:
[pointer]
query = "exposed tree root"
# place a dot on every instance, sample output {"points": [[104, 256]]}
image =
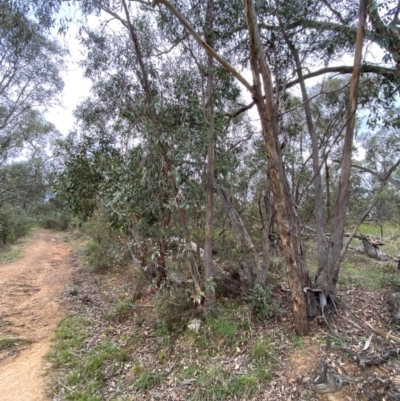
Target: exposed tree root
{"points": [[364, 362], [327, 381]]}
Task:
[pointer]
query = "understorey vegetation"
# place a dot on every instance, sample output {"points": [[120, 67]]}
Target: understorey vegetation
{"points": [[123, 338]]}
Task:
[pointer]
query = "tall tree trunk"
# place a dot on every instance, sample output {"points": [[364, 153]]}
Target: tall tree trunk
{"points": [[319, 196], [328, 277], [265, 232], [208, 245], [328, 191], [287, 218]]}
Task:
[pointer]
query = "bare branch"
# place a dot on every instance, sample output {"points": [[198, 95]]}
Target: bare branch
{"points": [[344, 69], [390, 179], [395, 19], [335, 12], [240, 111]]}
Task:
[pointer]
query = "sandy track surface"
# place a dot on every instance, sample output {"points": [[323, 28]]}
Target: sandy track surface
{"points": [[30, 310]]}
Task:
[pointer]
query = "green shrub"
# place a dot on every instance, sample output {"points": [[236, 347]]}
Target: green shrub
{"points": [[14, 223], [95, 256], [55, 222], [108, 248], [173, 306], [261, 301]]}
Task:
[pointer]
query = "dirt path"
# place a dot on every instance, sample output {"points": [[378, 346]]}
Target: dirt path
{"points": [[30, 310]]}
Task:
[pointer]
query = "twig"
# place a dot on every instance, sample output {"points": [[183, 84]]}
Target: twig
{"points": [[354, 323], [66, 387]]}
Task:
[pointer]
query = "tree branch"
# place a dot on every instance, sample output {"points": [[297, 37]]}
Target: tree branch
{"points": [[335, 12], [395, 19], [390, 179], [204, 45], [343, 69]]}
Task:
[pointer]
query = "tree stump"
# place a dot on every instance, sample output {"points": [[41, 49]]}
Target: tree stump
{"points": [[371, 246]]}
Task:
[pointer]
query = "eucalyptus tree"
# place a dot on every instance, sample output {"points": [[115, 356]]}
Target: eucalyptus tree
{"points": [[148, 90], [30, 65], [164, 136], [266, 102], [23, 184], [220, 97], [24, 187]]}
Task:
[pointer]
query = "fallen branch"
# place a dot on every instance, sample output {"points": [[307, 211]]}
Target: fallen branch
{"points": [[381, 333]]}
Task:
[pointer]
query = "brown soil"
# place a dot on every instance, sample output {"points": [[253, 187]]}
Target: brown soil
{"points": [[29, 311]]}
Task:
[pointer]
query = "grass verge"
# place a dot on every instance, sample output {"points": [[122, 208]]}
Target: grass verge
{"points": [[83, 373]]}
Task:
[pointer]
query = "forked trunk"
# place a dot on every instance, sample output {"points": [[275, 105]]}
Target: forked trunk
{"points": [[328, 276]]}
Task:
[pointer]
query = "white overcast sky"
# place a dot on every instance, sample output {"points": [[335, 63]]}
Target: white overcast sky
{"points": [[76, 86]]}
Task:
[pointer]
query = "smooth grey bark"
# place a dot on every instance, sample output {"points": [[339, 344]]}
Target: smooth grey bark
{"points": [[327, 277], [328, 192], [318, 193]]}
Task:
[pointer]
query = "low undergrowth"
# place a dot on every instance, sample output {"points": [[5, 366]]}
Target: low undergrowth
{"points": [[124, 339], [11, 342], [12, 251]]}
